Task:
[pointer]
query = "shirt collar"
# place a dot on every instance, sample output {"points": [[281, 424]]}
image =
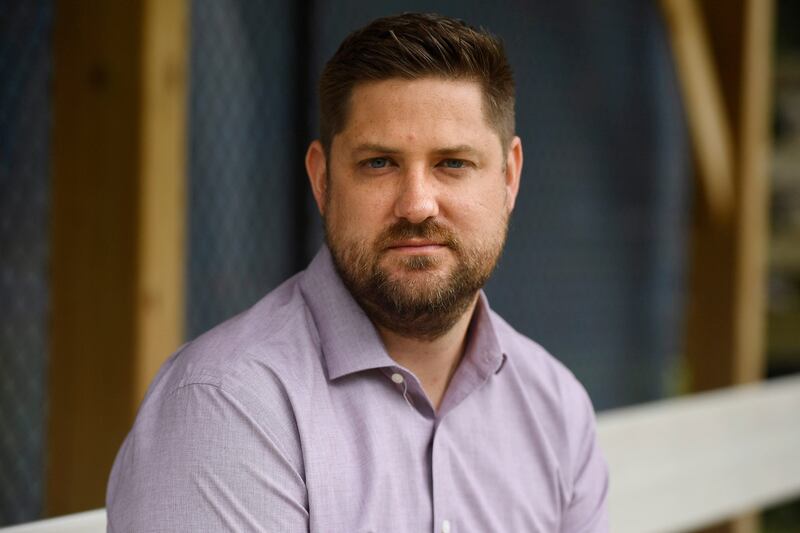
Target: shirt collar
{"points": [[483, 347], [349, 341]]}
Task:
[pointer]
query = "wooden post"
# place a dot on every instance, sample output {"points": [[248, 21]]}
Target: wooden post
{"points": [[727, 300], [117, 228], [703, 99], [162, 208]]}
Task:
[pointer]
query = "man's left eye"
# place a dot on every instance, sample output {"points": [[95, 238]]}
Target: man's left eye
{"points": [[454, 163]]}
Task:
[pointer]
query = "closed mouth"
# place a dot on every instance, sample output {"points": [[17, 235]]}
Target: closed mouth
{"points": [[415, 246]]}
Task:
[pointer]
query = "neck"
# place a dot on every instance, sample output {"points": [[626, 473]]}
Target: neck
{"points": [[433, 361]]}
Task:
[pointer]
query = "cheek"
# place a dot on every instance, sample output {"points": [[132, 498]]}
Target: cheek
{"points": [[358, 215], [479, 206], [481, 221]]}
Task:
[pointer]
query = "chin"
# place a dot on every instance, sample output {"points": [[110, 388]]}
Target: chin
{"points": [[418, 263], [419, 283]]}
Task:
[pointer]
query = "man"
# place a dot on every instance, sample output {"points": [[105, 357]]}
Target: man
{"points": [[376, 391]]}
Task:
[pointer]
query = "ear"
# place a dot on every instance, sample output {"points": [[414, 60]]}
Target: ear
{"points": [[316, 167], [513, 172]]}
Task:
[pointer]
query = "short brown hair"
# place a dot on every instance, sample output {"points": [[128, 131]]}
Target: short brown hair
{"points": [[412, 46]]}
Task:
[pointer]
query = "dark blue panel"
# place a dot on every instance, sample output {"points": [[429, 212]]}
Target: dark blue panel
{"points": [[243, 162], [25, 70]]}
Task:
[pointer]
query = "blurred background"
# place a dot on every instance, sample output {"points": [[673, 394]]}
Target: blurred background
{"points": [[152, 185]]}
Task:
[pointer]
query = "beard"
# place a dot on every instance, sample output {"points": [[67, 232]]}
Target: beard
{"points": [[421, 301]]}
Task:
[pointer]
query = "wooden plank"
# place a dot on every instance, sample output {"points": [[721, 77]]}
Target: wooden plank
{"points": [[162, 207], [692, 461], [727, 280], [727, 312], [117, 212], [702, 96], [94, 212], [754, 153], [709, 341], [86, 522]]}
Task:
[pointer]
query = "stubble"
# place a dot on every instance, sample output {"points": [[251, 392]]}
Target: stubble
{"points": [[420, 299]]}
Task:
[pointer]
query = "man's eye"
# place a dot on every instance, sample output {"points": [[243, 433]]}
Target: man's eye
{"points": [[378, 162], [453, 163]]}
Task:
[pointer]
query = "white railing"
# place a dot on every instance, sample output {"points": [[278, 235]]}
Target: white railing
{"points": [[86, 522], [676, 465], [688, 462]]}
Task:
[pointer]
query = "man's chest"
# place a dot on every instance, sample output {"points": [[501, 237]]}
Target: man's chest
{"points": [[374, 463]]}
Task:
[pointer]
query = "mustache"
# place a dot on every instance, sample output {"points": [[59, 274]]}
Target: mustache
{"points": [[429, 229]]}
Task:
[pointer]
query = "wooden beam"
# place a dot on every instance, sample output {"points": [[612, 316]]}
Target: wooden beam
{"points": [[727, 308], [727, 284], [706, 116], [754, 155], [94, 217], [117, 228], [162, 207]]}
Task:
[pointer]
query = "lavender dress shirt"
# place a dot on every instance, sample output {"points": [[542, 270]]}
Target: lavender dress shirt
{"points": [[291, 417]]}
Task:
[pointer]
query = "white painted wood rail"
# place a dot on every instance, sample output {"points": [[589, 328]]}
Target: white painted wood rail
{"points": [[675, 465], [86, 522], [694, 460]]}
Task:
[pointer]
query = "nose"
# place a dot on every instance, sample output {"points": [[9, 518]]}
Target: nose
{"points": [[416, 200]]}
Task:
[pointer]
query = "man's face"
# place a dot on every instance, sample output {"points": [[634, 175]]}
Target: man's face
{"points": [[415, 198]]}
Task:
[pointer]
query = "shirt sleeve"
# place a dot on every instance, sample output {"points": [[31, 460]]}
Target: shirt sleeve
{"points": [[199, 460], [587, 510]]}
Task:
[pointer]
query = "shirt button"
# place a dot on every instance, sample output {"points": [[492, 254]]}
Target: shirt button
{"points": [[397, 378], [445, 526]]}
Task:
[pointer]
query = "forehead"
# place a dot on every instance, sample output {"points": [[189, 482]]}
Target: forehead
{"points": [[431, 110]]}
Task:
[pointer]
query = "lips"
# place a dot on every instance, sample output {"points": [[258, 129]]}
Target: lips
{"points": [[415, 243], [415, 247], [425, 238]]}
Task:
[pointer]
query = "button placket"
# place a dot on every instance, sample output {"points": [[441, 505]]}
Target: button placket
{"points": [[400, 380], [442, 520]]}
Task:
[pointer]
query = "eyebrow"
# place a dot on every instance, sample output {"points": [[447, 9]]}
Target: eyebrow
{"points": [[459, 149], [444, 151], [372, 147]]}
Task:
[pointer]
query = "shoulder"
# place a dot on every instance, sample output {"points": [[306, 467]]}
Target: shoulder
{"points": [[561, 403], [229, 394], [537, 367], [252, 371], [273, 342]]}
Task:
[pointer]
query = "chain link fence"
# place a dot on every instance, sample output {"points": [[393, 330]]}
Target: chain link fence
{"points": [[245, 169]]}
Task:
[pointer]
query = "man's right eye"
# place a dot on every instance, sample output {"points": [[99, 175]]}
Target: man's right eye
{"points": [[378, 162]]}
